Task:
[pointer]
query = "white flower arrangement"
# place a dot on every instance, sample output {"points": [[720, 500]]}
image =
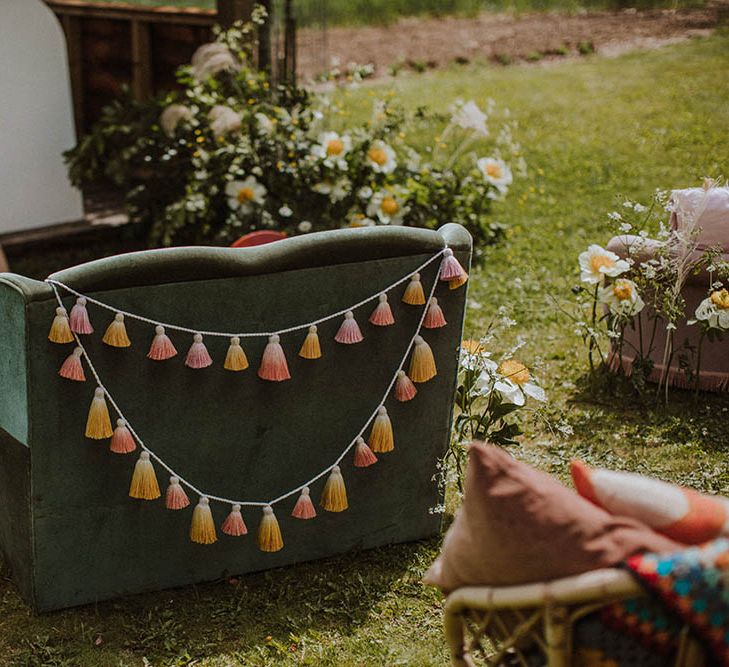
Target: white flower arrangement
{"points": [[596, 263]]}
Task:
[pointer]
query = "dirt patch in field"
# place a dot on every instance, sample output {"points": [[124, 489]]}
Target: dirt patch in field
{"points": [[434, 42]]}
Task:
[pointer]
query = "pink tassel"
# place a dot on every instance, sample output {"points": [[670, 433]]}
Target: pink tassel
{"points": [[122, 440], [304, 508], [176, 498], [198, 356], [451, 268], [405, 390], [382, 314], [162, 347], [349, 332], [363, 455], [234, 524], [72, 368], [79, 318], [273, 363], [434, 318]]}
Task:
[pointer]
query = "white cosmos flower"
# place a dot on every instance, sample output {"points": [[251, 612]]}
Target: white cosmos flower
{"points": [[596, 263], [244, 195], [332, 149], [335, 190], [265, 124], [212, 58], [381, 158], [223, 120], [388, 206], [622, 297], [469, 117], [172, 116], [714, 310], [496, 172], [515, 383]]}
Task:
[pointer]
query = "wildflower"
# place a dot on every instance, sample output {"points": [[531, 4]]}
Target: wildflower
{"points": [[305, 226], [714, 310], [171, 117], [265, 124], [244, 195], [469, 117], [285, 211], [223, 120], [381, 158], [332, 149], [622, 297], [496, 172], [388, 206], [360, 220], [335, 190], [212, 58], [596, 263], [515, 383]]}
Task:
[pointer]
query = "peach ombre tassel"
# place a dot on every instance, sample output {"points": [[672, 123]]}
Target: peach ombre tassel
{"points": [[405, 390], [304, 508], [79, 318], [144, 480], [457, 282], [202, 528], [234, 524], [161, 348], [176, 497], [381, 437], [72, 368], [422, 363], [61, 328], [274, 366], [235, 359], [334, 495], [434, 318], [414, 295], [269, 532], [311, 349], [116, 333], [363, 455], [98, 424], [197, 355], [382, 314], [122, 441], [450, 268], [349, 332]]}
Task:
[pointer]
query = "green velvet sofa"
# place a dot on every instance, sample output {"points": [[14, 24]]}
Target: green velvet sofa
{"points": [[69, 531]]}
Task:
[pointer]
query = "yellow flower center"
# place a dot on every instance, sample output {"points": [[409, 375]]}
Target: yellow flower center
{"points": [[514, 371], [622, 290], [335, 147], [494, 170], [720, 299], [389, 206], [245, 195], [377, 155], [598, 262]]}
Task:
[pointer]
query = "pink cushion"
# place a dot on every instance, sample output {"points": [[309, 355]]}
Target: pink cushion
{"points": [[518, 525]]}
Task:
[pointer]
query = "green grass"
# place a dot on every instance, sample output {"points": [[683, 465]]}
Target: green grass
{"points": [[591, 129]]}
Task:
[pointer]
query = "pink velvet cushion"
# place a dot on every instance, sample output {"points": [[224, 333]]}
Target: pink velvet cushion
{"points": [[518, 525]]}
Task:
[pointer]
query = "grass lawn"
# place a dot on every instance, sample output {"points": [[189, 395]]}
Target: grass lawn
{"points": [[592, 129]]}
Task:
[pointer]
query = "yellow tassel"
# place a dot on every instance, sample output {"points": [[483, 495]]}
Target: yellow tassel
{"points": [[422, 363], [457, 282], [269, 533], [381, 437], [144, 480], [116, 334], [202, 529], [98, 424], [311, 348], [61, 328], [414, 294], [236, 359], [334, 495]]}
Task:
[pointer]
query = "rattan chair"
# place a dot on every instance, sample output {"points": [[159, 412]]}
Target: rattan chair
{"points": [[496, 626]]}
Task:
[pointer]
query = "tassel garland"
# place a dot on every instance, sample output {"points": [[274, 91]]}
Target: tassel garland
{"points": [[235, 359], [144, 484], [61, 328], [414, 294], [363, 455], [381, 438], [349, 332], [382, 314], [269, 532], [311, 349], [197, 355], [434, 318], [161, 348], [422, 363], [304, 508], [72, 368], [450, 268], [202, 528], [273, 363], [457, 282], [98, 424], [234, 524], [334, 495], [79, 318], [176, 497], [405, 390], [116, 333], [122, 440]]}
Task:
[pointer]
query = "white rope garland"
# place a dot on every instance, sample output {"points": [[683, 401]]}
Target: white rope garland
{"points": [[249, 334], [253, 503]]}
